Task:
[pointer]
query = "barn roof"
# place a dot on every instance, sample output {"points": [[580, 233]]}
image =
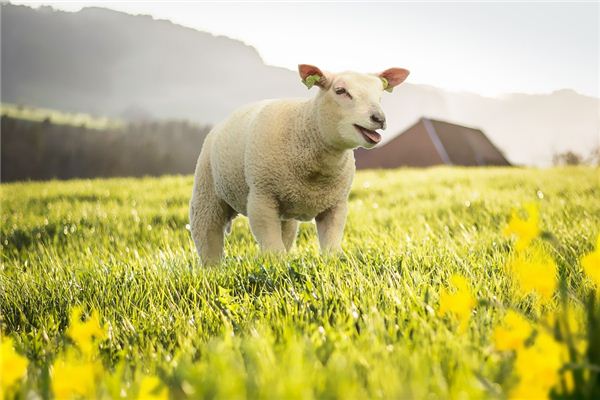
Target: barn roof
{"points": [[432, 142]]}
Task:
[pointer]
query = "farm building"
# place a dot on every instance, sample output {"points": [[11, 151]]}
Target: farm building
{"points": [[430, 142]]}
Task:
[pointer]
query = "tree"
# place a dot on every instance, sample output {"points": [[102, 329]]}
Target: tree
{"points": [[567, 158]]}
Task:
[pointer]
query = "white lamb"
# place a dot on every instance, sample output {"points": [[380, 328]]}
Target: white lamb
{"points": [[290, 160]]}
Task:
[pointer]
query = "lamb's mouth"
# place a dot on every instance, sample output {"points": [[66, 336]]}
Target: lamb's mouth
{"points": [[370, 136]]}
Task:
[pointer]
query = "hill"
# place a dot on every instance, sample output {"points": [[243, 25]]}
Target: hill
{"points": [[110, 63]]}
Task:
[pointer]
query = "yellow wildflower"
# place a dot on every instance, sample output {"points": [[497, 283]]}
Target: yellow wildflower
{"points": [[73, 377], [571, 320], [84, 333], [460, 303], [591, 264], [538, 367], [535, 272], [572, 324], [524, 229], [13, 366], [569, 382], [526, 391], [152, 389], [512, 334]]}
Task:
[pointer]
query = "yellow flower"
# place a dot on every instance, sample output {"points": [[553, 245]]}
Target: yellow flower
{"points": [[12, 365], [460, 303], [152, 389], [526, 391], [512, 334], [73, 377], [591, 264], [84, 333], [571, 323], [569, 382], [535, 272], [524, 229], [538, 367], [571, 320]]}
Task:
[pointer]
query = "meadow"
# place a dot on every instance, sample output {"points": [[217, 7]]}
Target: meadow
{"points": [[366, 324]]}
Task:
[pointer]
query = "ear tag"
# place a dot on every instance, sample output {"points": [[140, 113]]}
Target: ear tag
{"points": [[386, 85], [311, 80]]}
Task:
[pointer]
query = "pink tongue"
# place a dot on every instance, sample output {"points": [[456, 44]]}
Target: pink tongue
{"points": [[374, 136]]}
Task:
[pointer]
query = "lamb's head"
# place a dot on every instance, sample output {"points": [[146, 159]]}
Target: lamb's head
{"points": [[348, 104]]}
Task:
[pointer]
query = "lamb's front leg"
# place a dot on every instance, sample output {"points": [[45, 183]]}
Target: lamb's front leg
{"points": [[264, 222], [330, 227]]}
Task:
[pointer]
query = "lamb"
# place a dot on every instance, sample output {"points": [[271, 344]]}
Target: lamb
{"points": [[283, 161]]}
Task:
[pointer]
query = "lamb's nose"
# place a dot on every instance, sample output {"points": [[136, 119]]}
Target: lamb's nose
{"points": [[378, 118]]}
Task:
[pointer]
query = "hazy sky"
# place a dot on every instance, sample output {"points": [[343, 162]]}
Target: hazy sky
{"points": [[486, 48]]}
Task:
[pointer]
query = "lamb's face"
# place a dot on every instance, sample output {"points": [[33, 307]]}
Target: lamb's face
{"points": [[351, 103], [357, 99]]}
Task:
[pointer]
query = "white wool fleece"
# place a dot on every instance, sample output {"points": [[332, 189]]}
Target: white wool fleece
{"points": [[284, 161]]}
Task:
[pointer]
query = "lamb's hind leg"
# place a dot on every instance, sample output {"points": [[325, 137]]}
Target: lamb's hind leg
{"points": [[209, 215]]}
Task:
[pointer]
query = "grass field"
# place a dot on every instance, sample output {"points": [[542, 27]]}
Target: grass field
{"points": [[363, 325]]}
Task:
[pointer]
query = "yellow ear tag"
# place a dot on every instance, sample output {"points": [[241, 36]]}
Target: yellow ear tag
{"points": [[386, 85], [311, 80]]}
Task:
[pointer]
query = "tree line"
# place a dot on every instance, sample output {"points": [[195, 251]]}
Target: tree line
{"points": [[34, 150]]}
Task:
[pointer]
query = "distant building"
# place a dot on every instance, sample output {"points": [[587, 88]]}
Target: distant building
{"points": [[430, 142]]}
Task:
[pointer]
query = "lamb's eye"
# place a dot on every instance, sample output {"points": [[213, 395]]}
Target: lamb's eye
{"points": [[340, 90]]}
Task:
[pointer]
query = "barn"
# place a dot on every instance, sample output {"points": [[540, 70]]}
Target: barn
{"points": [[431, 142]]}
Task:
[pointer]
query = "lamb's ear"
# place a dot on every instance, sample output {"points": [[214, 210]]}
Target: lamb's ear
{"points": [[393, 77], [312, 75]]}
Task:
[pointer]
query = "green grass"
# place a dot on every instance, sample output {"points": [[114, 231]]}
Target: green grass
{"points": [[356, 326], [58, 117]]}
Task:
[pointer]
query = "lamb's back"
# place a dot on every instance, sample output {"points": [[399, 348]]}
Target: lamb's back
{"points": [[251, 132]]}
